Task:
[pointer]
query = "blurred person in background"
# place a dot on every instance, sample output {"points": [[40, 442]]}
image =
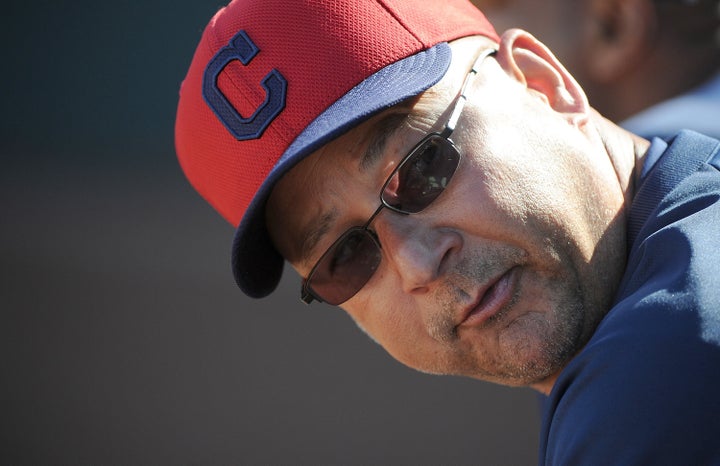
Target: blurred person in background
{"points": [[651, 65]]}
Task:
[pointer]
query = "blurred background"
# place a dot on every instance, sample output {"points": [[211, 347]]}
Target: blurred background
{"points": [[123, 339]]}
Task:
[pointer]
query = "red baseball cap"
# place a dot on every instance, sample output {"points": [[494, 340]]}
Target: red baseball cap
{"points": [[272, 81]]}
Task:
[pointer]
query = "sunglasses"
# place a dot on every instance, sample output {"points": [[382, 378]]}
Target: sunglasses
{"points": [[422, 175]]}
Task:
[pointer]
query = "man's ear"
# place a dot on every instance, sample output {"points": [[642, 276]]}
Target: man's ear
{"points": [[620, 35], [531, 63]]}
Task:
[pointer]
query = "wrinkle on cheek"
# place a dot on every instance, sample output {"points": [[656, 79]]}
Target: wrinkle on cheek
{"points": [[389, 323], [440, 323]]}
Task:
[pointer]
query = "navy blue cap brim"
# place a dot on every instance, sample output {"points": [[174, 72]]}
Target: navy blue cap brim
{"points": [[256, 264]]}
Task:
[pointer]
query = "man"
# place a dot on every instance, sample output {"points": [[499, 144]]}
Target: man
{"points": [[652, 65], [456, 195]]}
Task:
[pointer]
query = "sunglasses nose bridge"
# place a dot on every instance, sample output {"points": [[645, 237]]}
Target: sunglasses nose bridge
{"points": [[379, 209]]}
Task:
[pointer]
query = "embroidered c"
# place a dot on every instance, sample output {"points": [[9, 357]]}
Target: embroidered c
{"points": [[242, 48]]}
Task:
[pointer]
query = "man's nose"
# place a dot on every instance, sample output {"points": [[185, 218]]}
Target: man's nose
{"points": [[415, 249]]}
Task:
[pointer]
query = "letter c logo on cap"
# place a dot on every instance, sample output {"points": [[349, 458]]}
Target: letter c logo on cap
{"points": [[243, 49]]}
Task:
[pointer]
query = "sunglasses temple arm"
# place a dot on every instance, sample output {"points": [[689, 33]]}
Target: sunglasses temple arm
{"points": [[462, 96]]}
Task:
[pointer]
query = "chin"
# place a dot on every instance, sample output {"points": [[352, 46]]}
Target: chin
{"points": [[533, 348]]}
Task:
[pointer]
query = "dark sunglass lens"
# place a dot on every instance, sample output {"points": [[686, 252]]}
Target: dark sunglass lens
{"points": [[345, 268], [421, 178]]}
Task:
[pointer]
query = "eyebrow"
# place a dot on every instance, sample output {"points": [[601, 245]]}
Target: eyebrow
{"points": [[313, 235], [381, 132]]}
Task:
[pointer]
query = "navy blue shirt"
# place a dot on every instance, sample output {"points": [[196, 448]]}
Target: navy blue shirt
{"points": [[646, 388]]}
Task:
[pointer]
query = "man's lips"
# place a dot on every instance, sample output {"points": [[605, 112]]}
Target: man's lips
{"points": [[492, 298]]}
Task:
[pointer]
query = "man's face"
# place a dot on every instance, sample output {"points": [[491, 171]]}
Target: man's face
{"points": [[505, 276]]}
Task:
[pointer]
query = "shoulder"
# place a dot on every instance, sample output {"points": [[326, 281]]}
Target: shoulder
{"points": [[644, 389]]}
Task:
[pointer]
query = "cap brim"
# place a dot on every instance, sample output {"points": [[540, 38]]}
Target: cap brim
{"points": [[257, 266]]}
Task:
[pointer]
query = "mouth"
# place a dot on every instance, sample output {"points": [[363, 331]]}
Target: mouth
{"points": [[492, 299]]}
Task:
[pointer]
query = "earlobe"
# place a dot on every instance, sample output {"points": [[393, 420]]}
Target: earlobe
{"points": [[530, 62]]}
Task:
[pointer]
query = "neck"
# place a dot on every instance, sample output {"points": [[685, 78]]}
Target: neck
{"points": [[626, 152]]}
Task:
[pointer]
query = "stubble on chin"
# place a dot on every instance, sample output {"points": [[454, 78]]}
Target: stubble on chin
{"points": [[519, 346]]}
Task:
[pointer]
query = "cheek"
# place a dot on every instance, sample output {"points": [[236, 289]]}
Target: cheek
{"points": [[396, 325], [488, 200], [531, 174]]}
